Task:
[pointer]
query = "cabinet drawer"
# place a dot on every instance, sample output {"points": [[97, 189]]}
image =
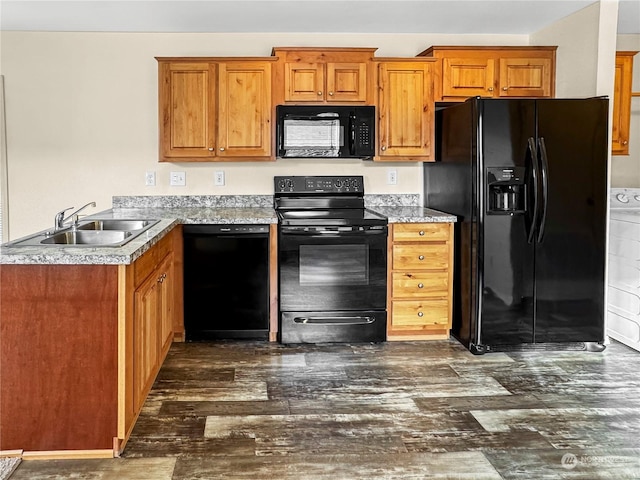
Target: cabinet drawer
{"points": [[419, 284], [407, 232], [429, 314], [144, 265], [433, 256]]}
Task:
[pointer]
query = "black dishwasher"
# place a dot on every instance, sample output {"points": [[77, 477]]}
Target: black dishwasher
{"points": [[226, 282]]}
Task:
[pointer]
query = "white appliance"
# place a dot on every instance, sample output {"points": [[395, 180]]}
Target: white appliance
{"points": [[623, 309]]}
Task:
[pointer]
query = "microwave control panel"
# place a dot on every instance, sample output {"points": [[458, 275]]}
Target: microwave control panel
{"points": [[363, 135]]}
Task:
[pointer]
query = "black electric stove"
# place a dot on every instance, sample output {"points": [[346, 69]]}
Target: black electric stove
{"points": [[332, 261]]}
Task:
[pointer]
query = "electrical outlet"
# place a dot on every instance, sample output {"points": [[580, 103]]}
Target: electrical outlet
{"points": [[392, 177], [150, 179], [218, 177], [177, 179]]}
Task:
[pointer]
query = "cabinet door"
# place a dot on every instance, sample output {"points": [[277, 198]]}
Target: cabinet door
{"points": [[146, 340], [303, 82], [244, 109], [621, 121], [346, 82], [187, 110], [525, 77], [405, 113], [468, 77]]}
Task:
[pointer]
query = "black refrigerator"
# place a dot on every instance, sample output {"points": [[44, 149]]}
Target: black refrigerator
{"points": [[527, 179]]}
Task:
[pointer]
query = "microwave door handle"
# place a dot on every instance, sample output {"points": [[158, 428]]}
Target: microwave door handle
{"points": [[352, 132]]}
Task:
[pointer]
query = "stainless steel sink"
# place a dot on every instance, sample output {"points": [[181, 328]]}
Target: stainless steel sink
{"points": [[87, 237], [114, 224], [108, 232]]}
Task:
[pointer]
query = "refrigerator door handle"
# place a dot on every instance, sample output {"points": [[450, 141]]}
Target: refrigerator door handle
{"points": [[544, 180], [535, 174]]}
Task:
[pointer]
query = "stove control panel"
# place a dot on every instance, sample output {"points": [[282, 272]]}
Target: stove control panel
{"points": [[319, 184]]}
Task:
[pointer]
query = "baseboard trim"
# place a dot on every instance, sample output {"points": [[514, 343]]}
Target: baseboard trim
{"points": [[67, 454]]}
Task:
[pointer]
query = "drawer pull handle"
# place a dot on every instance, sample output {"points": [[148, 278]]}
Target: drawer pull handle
{"points": [[420, 285], [420, 314], [421, 233], [420, 257]]}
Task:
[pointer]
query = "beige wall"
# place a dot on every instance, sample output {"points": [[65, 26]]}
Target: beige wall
{"points": [[625, 171], [82, 118], [82, 112], [576, 58]]}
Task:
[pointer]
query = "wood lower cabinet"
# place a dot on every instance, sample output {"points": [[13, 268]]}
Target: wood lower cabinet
{"points": [[214, 109], [323, 75], [152, 293], [405, 110], [499, 72], [420, 281], [621, 122], [80, 345], [151, 328]]}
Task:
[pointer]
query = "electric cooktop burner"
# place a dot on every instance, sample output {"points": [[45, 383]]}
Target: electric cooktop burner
{"points": [[337, 216], [323, 200]]}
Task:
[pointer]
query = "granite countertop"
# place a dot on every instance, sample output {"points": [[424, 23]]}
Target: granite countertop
{"points": [[414, 215], [175, 210]]}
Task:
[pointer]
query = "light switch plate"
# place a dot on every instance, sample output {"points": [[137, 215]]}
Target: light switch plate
{"points": [[218, 177], [392, 177], [178, 179]]}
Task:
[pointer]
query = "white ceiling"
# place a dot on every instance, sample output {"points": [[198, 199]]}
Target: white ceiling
{"points": [[309, 16]]}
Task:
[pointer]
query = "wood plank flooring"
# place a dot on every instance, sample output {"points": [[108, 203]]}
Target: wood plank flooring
{"points": [[407, 410]]}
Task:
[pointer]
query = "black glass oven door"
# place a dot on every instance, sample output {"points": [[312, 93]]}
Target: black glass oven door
{"points": [[333, 268]]}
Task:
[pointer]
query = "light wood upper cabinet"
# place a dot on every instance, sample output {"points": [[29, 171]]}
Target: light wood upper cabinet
{"points": [[214, 110], [621, 122], [323, 75], [494, 72], [405, 110], [244, 110], [187, 101]]}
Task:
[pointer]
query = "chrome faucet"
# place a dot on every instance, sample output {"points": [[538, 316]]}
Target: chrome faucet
{"points": [[60, 219]]}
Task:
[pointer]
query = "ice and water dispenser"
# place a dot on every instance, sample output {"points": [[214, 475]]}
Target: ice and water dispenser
{"points": [[506, 190]]}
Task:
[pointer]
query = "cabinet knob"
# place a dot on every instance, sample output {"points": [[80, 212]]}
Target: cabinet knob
{"points": [[319, 93], [222, 149], [211, 149], [420, 285], [490, 89], [504, 89], [624, 142], [383, 148], [421, 233], [331, 94], [420, 257], [420, 314]]}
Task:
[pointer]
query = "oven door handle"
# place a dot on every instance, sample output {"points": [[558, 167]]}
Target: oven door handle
{"points": [[334, 320], [336, 233]]}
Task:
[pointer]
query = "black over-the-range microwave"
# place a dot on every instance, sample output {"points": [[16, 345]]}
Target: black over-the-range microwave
{"points": [[312, 131]]}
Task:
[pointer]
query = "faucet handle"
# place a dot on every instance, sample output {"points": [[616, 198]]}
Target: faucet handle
{"points": [[59, 219]]}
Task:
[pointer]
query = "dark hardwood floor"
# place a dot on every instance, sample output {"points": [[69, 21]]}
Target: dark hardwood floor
{"points": [[431, 410]]}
